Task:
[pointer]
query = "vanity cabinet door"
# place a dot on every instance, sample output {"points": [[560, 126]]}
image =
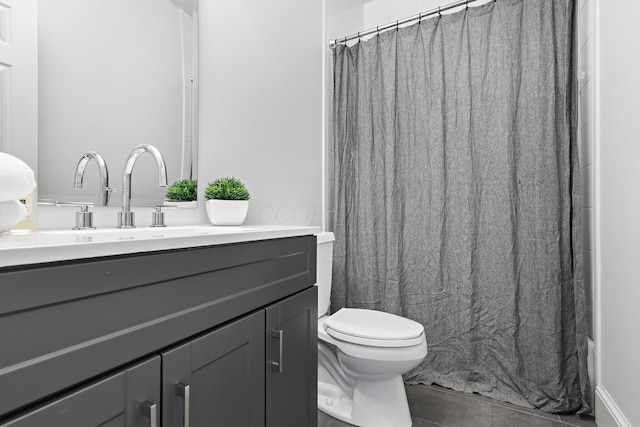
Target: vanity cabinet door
{"points": [[292, 360], [129, 398], [217, 379]]}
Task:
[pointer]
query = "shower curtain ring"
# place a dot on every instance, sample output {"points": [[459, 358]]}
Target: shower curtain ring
{"points": [[378, 31], [439, 13], [420, 18], [359, 40], [467, 6], [397, 24]]}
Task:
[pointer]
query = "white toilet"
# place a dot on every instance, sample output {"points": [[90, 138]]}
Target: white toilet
{"points": [[362, 355]]}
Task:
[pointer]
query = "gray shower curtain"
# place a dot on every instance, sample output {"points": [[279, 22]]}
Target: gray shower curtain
{"points": [[457, 197]]}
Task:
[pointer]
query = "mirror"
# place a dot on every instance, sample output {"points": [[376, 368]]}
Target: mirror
{"points": [[113, 74]]}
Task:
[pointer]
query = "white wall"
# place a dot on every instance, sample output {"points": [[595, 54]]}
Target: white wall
{"points": [[587, 78], [618, 214], [260, 113], [586, 125], [261, 104], [381, 12]]}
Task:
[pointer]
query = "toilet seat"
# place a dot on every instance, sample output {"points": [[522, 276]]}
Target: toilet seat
{"points": [[373, 328]]}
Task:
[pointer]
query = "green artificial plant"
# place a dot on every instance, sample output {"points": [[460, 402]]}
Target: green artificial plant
{"points": [[185, 190], [227, 188]]}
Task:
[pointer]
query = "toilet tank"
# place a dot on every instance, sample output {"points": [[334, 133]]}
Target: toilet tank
{"points": [[323, 271]]}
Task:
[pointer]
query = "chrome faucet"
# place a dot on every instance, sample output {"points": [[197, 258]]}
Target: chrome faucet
{"points": [[104, 192], [126, 218]]}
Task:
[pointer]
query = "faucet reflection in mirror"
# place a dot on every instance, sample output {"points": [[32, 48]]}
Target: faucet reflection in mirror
{"points": [[104, 191], [126, 218]]}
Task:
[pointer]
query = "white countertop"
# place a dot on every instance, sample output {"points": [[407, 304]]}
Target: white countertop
{"points": [[59, 245]]}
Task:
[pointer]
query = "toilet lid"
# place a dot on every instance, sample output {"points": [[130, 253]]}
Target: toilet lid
{"points": [[373, 328]]}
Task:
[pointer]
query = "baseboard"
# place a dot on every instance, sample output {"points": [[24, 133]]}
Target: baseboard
{"points": [[591, 372], [607, 412]]}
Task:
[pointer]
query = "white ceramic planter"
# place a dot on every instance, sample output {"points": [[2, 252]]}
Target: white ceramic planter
{"points": [[227, 212]]}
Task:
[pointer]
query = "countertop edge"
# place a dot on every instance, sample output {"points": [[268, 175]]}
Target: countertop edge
{"points": [[40, 247]]}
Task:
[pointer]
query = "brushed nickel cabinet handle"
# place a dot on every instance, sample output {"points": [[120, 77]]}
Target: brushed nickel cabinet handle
{"points": [[184, 391], [150, 410], [279, 335]]}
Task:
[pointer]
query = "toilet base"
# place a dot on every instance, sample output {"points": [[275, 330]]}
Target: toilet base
{"points": [[380, 403]]}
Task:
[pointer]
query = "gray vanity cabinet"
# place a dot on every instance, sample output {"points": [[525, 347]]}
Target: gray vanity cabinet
{"points": [[88, 342], [128, 398], [292, 347], [218, 378]]}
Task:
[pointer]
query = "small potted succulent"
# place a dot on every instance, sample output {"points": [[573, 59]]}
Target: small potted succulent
{"points": [[227, 201], [182, 193]]}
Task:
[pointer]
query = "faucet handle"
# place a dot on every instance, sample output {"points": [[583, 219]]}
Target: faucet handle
{"points": [[107, 192], [157, 217], [51, 202], [126, 219], [84, 219]]}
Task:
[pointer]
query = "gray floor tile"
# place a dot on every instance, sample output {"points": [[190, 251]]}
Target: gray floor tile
{"points": [[419, 422], [577, 420], [447, 409], [433, 406], [505, 417], [497, 402], [325, 420]]}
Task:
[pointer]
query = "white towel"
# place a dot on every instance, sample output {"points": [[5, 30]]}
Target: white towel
{"points": [[16, 178], [11, 213]]}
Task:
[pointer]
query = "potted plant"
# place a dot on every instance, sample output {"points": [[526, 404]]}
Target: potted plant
{"points": [[227, 201], [183, 193]]}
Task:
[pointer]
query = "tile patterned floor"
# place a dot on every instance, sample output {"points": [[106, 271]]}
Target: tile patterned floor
{"points": [[433, 406]]}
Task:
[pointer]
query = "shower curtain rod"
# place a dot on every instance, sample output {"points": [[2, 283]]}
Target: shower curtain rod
{"points": [[418, 17]]}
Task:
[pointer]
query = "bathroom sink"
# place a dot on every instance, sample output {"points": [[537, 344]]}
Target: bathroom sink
{"points": [[116, 234]]}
